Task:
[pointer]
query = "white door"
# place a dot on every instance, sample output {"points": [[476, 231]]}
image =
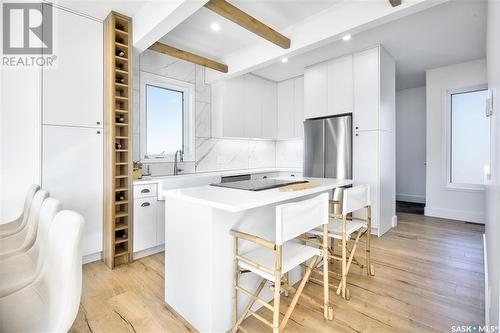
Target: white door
{"points": [[145, 223], [72, 160], [298, 107], [366, 90], [72, 90], [315, 91], [286, 109], [340, 86], [366, 147]]}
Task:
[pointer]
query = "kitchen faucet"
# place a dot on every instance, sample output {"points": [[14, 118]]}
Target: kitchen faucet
{"points": [[181, 159]]}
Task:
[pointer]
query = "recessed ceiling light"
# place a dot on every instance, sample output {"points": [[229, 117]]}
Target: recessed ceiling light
{"points": [[215, 26], [284, 60], [346, 38]]}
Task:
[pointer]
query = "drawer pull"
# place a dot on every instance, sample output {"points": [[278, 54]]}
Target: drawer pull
{"points": [[145, 204], [146, 190]]}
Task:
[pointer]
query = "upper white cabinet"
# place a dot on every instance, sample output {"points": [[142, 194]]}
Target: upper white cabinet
{"points": [[340, 86], [244, 107], [316, 91], [72, 90], [290, 108], [374, 90]]}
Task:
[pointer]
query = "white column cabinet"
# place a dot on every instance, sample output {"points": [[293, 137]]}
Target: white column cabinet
{"points": [[290, 108], [316, 91], [340, 86], [72, 90], [366, 90], [72, 160]]}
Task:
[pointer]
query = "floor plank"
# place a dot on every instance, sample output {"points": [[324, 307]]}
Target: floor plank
{"points": [[429, 276]]}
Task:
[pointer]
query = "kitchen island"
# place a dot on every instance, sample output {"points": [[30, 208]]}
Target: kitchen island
{"points": [[199, 247]]}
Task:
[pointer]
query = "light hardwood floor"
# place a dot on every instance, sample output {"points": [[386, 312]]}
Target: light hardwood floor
{"points": [[429, 276]]}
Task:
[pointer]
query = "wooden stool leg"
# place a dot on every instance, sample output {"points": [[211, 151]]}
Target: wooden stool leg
{"points": [[344, 257], [235, 280], [277, 289], [370, 271], [249, 305]]}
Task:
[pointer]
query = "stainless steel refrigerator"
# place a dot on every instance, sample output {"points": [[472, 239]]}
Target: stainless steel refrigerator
{"points": [[328, 149]]}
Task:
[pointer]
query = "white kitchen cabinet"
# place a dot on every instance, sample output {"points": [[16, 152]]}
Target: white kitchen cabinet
{"points": [[290, 108], [145, 223], [298, 107], [316, 91], [286, 97], [72, 90], [374, 90], [149, 220], [374, 164], [72, 160], [340, 86], [244, 107]]}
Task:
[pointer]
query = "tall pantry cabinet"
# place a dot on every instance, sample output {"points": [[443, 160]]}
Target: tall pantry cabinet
{"points": [[363, 84], [72, 122]]}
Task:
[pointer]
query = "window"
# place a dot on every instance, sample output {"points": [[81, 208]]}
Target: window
{"points": [[166, 118], [469, 139]]}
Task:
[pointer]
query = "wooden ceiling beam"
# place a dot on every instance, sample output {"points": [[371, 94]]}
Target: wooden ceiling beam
{"points": [[232, 13], [188, 56], [395, 3]]}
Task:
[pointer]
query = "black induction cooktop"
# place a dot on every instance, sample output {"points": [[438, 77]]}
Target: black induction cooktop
{"points": [[259, 184]]}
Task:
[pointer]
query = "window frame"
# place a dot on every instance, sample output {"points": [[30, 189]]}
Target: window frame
{"points": [[188, 90], [448, 184]]}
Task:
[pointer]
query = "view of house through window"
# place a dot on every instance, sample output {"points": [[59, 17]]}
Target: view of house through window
{"points": [[470, 137], [164, 119]]}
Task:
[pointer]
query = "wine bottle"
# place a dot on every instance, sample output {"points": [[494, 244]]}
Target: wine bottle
{"points": [[120, 196], [120, 53], [120, 80], [118, 145], [120, 119]]}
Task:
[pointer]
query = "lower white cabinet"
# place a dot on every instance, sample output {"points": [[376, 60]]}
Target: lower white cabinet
{"points": [[72, 160], [149, 220]]}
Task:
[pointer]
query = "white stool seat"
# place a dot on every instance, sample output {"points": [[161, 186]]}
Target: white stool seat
{"points": [[10, 228], [16, 272], [294, 254], [335, 228]]}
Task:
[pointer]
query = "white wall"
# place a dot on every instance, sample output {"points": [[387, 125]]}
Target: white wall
{"points": [[20, 105], [410, 145], [440, 200], [493, 186]]}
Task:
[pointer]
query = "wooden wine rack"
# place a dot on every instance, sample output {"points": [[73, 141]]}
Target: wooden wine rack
{"points": [[118, 201]]}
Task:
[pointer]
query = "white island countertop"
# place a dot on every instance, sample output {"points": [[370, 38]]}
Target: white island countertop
{"points": [[235, 200]]}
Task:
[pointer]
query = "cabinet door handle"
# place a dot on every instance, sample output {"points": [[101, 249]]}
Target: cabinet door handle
{"points": [[145, 190], [357, 134], [357, 127], [98, 132], [145, 204]]}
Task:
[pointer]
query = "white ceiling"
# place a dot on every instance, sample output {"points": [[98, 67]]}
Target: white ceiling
{"points": [[194, 33], [100, 9], [447, 34]]}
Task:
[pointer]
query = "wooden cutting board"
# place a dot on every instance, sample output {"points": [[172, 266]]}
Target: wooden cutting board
{"points": [[299, 187]]}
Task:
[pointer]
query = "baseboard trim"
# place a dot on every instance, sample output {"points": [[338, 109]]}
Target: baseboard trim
{"points": [[148, 252], [452, 214], [486, 285], [92, 257], [410, 198]]}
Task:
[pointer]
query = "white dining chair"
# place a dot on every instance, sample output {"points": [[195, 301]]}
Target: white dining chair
{"points": [[20, 242], [343, 226], [21, 269], [273, 260], [12, 227], [51, 302]]}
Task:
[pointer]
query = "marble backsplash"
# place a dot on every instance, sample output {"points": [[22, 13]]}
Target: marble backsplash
{"points": [[211, 154]]}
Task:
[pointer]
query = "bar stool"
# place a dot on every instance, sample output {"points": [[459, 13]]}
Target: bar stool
{"points": [[343, 226], [272, 260]]}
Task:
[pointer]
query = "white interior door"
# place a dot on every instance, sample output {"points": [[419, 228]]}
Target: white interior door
{"points": [[72, 90], [72, 171]]}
